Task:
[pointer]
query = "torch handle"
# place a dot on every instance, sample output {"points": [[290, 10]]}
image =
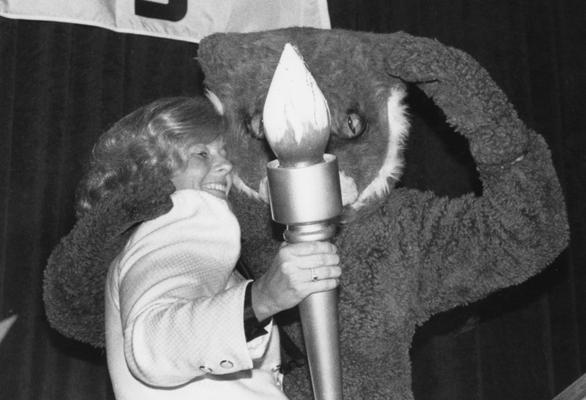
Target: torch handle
{"points": [[319, 319]]}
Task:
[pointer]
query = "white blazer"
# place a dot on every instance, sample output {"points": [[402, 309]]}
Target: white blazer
{"points": [[174, 311]]}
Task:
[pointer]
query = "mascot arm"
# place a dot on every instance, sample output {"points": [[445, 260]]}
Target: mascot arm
{"points": [[466, 248], [471, 246], [77, 267]]}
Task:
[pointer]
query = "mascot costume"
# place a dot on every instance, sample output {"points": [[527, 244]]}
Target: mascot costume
{"points": [[406, 253]]}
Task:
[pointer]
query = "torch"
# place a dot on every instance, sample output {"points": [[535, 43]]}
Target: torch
{"points": [[304, 193]]}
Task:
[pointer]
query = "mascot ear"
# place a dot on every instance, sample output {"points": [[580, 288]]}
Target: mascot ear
{"points": [[472, 102]]}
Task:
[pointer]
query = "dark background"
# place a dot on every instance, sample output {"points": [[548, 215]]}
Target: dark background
{"points": [[61, 85]]}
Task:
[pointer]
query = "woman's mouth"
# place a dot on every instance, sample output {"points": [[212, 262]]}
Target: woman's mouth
{"points": [[216, 189]]}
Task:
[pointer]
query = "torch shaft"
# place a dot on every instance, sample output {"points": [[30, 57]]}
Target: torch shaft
{"points": [[319, 320], [320, 330]]}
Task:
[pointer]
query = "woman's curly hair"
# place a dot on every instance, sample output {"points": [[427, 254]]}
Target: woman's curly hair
{"points": [[152, 142]]}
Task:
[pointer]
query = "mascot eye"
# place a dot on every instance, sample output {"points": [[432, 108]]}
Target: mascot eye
{"points": [[355, 125], [255, 126]]}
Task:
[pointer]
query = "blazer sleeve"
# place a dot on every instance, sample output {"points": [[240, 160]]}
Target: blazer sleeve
{"points": [[179, 318]]}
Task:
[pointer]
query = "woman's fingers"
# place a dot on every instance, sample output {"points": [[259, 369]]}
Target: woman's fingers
{"points": [[312, 268], [323, 285], [308, 248], [298, 270], [321, 273], [320, 279], [309, 260], [316, 260]]}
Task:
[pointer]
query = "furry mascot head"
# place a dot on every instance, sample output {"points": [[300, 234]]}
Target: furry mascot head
{"points": [[406, 254]]}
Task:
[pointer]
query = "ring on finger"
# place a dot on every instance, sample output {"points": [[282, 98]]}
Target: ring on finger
{"points": [[313, 275]]}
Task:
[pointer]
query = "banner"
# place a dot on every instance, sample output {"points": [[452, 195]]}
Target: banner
{"points": [[188, 20]]}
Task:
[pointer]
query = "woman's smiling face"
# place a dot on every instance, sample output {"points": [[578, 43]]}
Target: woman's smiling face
{"points": [[207, 169]]}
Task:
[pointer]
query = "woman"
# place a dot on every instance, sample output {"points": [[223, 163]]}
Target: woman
{"points": [[181, 322]]}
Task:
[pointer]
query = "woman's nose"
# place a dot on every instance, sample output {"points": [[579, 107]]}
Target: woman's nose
{"points": [[223, 165]]}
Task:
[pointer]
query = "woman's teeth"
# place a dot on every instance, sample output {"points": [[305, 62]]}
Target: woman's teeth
{"points": [[215, 186]]}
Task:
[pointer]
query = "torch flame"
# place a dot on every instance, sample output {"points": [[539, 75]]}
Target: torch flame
{"points": [[296, 116]]}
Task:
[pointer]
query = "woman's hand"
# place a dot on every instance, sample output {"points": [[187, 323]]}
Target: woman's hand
{"points": [[297, 271]]}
